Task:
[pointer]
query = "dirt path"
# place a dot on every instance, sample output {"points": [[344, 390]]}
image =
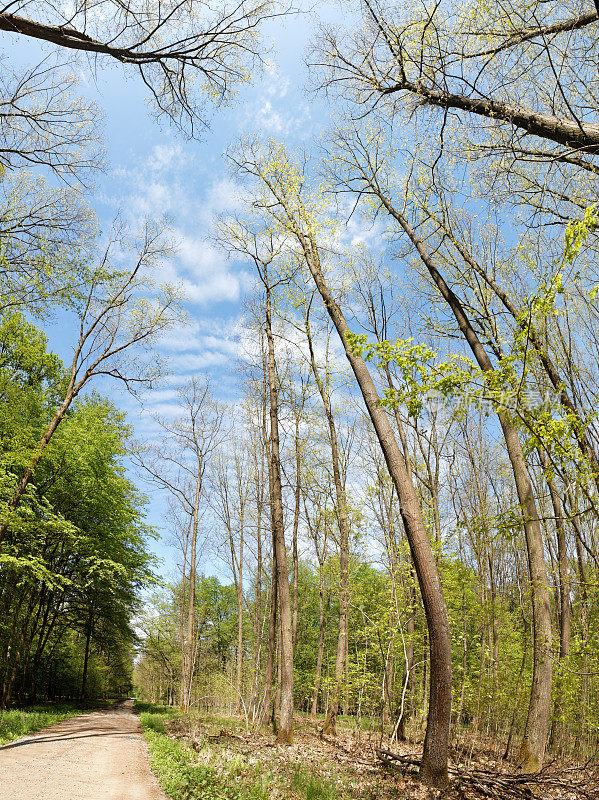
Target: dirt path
{"points": [[97, 756]]}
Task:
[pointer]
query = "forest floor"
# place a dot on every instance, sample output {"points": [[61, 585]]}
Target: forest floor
{"points": [[215, 758], [95, 756]]}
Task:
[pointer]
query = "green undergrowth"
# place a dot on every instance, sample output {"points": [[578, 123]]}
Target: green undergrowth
{"points": [[214, 771], [308, 786], [180, 773], [16, 723]]}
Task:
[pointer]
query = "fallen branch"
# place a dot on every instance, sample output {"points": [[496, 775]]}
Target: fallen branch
{"points": [[571, 782]]}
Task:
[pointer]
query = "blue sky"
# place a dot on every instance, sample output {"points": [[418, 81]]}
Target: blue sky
{"points": [[154, 172]]}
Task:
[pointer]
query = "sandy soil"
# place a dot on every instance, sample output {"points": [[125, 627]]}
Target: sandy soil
{"points": [[97, 756]]}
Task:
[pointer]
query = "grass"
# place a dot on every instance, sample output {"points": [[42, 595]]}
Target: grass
{"points": [[179, 772], [182, 777], [19, 722], [309, 786]]}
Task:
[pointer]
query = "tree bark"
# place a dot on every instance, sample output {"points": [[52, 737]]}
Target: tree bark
{"points": [[343, 523], [433, 770], [285, 732]]}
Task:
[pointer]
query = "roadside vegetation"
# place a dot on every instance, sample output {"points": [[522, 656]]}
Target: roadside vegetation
{"points": [[203, 756], [187, 771], [16, 723]]}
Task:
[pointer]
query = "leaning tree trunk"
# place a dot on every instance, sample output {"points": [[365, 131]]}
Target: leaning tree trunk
{"points": [[532, 751], [433, 769]]}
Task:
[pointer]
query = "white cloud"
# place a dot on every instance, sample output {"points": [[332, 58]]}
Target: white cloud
{"points": [[205, 274], [226, 195], [191, 362], [279, 87], [171, 410], [153, 200], [165, 156], [268, 118], [270, 121]]}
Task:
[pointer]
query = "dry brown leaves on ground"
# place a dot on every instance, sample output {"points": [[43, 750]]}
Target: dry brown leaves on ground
{"points": [[354, 765], [553, 782]]}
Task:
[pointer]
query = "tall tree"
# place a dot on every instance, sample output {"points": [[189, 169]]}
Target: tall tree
{"points": [[364, 170], [280, 195], [261, 248], [178, 464], [324, 389]]}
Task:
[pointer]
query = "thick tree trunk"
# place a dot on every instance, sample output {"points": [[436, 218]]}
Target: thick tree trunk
{"points": [[285, 732], [537, 726], [433, 769]]}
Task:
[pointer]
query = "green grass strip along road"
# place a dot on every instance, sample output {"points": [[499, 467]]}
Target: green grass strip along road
{"points": [[16, 723]]}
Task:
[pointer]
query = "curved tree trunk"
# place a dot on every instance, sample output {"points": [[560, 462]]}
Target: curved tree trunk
{"points": [[433, 770], [536, 731]]}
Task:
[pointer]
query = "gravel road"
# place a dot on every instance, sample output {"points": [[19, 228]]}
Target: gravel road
{"points": [[97, 756]]}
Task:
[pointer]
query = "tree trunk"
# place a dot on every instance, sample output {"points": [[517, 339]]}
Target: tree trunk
{"points": [[258, 603], [343, 522], [320, 651], [189, 650], [88, 638], [239, 676], [433, 770], [285, 732], [296, 513], [534, 741], [268, 708]]}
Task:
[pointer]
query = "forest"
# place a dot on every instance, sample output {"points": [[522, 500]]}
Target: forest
{"points": [[385, 536]]}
